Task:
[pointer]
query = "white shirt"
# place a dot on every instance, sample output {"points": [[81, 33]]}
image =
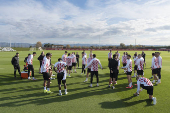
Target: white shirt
{"points": [[73, 58], [144, 81], [139, 63], [30, 59], [160, 61], [69, 61], [118, 63], [118, 55], [154, 63], [109, 55], [60, 66], [88, 61], [135, 59], [84, 60], [45, 65], [94, 64], [128, 65], [64, 58], [124, 59]]}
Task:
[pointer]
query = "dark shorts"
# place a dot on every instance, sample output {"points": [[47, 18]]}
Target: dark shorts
{"points": [[73, 64], [89, 70], [154, 71], [60, 77], [149, 89], [140, 72], [124, 64], [46, 76], [114, 74], [129, 73], [69, 67], [40, 63], [16, 67], [135, 67]]}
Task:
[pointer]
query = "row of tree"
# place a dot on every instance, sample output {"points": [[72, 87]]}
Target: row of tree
{"points": [[121, 46]]}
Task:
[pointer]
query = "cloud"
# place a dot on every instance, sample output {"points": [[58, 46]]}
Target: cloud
{"points": [[64, 22]]}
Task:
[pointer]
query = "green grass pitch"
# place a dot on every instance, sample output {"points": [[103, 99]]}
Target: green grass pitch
{"points": [[24, 96]]}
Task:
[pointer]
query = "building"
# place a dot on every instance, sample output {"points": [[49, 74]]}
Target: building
{"points": [[57, 46]]}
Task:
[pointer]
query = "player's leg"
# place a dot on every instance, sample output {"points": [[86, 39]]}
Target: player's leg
{"points": [[32, 68], [48, 83], [18, 67], [91, 81], [97, 78], [87, 76], [150, 92], [84, 70], [15, 71], [65, 86], [159, 75], [29, 69]]}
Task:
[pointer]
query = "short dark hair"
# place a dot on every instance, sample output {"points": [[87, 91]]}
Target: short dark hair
{"points": [[29, 54], [114, 55], [17, 53], [59, 59], [129, 56], [82, 52], [65, 51], [153, 54], [68, 54], [48, 54], [94, 55], [135, 54], [34, 52]]}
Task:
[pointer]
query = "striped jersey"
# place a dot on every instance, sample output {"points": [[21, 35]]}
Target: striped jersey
{"points": [[128, 65], [64, 58], [69, 61], [135, 59], [88, 61], [94, 64], [139, 63], [124, 59], [155, 64], [60, 66], [45, 65], [144, 81], [73, 58]]}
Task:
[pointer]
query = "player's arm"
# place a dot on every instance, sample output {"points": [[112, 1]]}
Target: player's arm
{"points": [[138, 88], [100, 65], [152, 63], [55, 65], [126, 65], [88, 64]]}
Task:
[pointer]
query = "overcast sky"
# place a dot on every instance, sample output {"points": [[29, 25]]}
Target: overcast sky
{"points": [[86, 21]]}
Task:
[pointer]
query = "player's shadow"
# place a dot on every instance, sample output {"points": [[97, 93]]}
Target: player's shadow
{"points": [[123, 103]]}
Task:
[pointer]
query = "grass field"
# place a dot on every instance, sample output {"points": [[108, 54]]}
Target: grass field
{"points": [[24, 96]]}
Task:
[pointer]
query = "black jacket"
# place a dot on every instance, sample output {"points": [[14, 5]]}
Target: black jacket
{"points": [[40, 58], [113, 64], [15, 60], [25, 59]]}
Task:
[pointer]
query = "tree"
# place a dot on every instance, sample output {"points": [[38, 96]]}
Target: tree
{"points": [[47, 45], [122, 45], [68, 46], [38, 44]]}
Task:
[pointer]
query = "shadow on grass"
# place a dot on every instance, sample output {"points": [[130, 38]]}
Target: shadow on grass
{"points": [[122, 103]]}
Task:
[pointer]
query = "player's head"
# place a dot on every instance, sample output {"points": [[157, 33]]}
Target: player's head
{"points": [[128, 56], [153, 54], [59, 59], [83, 50], [94, 55], [114, 56], [83, 53], [65, 52], [110, 51], [139, 56], [124, 53], [91, 55], [34, 53], [156, 54], [72, 52], [42, 53], [48, 55], [17, 54], [68, 54], [135, 55], [159, 53], [142, 52], [29, 54], [76, 52]]}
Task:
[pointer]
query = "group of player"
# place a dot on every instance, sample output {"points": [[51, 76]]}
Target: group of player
{"points": [[139, 62], [64, 68]]}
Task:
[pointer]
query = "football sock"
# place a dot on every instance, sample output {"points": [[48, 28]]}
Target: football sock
{"points": [[44, 88], [59, 91], [48, 89]]}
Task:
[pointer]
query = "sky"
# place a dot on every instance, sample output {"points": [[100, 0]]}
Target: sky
{"points": [[85, 21]]}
